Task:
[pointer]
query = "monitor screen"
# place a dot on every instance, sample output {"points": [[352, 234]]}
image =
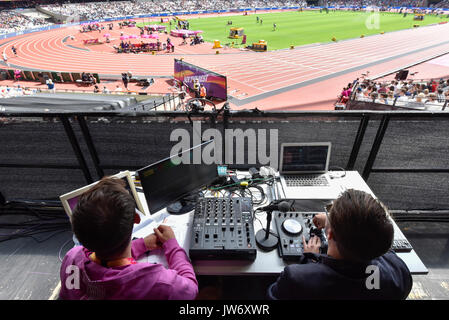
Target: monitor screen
{"points": [[305, 158], [70, 199], [169, 180], [73, 201]]}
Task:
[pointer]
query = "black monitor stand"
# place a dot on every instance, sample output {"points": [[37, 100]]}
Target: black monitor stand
{"points": [[182, 206]]}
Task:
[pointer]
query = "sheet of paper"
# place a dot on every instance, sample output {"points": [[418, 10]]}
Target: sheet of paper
{"points": [[147, 224], [181, 225]]}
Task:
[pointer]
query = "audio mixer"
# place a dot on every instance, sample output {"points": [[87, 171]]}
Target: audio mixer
{"points": [[291, 227], [223, 229]]}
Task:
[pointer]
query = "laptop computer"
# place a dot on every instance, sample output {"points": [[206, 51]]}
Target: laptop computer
{"points": [[304, 171], [70, 199]]}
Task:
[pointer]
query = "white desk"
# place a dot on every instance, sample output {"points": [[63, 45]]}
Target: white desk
{"points": [[353, 180], [269, 263]]}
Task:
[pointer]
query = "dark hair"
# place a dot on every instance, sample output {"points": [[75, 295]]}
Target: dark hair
{"points": [[361, 226], [103, 218]]}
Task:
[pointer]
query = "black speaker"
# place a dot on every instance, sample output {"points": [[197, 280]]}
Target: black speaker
{"points": [[401, 75]]}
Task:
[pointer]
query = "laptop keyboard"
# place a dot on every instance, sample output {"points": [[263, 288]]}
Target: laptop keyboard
{"points": [[306, 181]]}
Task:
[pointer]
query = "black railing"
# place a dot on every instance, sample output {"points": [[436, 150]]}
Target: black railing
{"points": [[90, 143]]}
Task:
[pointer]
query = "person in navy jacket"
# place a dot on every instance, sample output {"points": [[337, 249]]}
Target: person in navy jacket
{"points": [[359, 263]]}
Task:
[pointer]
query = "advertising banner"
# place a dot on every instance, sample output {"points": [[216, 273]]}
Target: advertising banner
{"points": [[214, 83]]}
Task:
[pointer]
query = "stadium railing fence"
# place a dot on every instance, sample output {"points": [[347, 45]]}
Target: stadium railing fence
{"points": [[401, 155]]}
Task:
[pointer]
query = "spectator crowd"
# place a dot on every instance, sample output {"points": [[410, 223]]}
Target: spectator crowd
{"points": [[442, 4], [412, 94], [15, 91], [13, 21], [100, 10], [375, 3]]}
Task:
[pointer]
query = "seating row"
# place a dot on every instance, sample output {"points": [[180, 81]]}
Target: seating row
{"points": [[42, 76]]}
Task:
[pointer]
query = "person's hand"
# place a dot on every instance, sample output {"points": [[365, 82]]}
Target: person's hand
{"points": [[152, 242], [319, 220], [313, 246], [164, 233]]}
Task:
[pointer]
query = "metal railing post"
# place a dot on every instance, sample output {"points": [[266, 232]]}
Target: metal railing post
{"points": [[91, 146], [76, 148], [376, 146], [357, 142]]}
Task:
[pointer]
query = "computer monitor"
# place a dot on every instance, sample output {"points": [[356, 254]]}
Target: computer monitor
{"points": [[70, 199], [169, 180]]}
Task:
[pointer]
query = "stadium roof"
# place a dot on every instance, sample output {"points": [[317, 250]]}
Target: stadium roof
{"points": [[67, 102]]}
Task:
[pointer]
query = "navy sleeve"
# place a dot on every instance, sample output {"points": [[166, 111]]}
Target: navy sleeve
{"points": [[285, 287], [401, 277], [289, 285]]}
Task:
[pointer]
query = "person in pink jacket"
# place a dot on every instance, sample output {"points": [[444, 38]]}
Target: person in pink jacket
{"points": [[105, 265]]}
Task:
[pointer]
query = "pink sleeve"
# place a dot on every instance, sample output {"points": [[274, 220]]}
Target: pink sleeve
{"points": [[185, 284], [138, 248]]}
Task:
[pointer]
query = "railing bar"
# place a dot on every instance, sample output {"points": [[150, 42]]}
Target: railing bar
{"points": [[76, 148]]}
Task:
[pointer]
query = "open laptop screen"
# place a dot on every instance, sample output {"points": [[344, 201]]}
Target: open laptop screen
{"points": [[304, 158]]}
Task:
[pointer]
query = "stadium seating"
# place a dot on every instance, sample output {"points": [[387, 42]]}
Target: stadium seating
{"points": [[28, 75], [66, 77], [42, 76], [393, 95]]}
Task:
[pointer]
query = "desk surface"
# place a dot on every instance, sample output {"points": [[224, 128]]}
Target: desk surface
{"points": [[269, 263]]}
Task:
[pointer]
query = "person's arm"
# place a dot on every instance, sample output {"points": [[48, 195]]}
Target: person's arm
{"points": [[287, 286], [184, 284], [401, 272], [141, 246], [319, 220]]}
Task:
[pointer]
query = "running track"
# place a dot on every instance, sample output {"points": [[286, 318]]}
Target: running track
{"points": [[251, 76]]}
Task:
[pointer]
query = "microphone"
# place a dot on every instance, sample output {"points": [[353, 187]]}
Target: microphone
{"points": [[264, 239], [282, 206]]}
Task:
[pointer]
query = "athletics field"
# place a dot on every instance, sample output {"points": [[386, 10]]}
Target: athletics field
{"points": [[299, 28]]}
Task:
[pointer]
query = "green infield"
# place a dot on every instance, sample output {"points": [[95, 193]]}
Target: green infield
{"points": [[295, 28]]}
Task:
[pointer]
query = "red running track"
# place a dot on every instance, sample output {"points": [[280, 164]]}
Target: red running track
{"points": [[252, 76]]}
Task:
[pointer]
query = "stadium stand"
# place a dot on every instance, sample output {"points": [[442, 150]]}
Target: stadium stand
{"points": [[429, 95], [100, 10], [14, 21], [15, 91]]}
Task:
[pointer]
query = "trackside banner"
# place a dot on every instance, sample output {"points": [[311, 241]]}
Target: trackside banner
{"points": [[214, 83]]}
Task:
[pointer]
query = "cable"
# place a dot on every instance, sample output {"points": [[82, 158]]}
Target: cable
{"points": [[332, 176], [46, 219]]}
